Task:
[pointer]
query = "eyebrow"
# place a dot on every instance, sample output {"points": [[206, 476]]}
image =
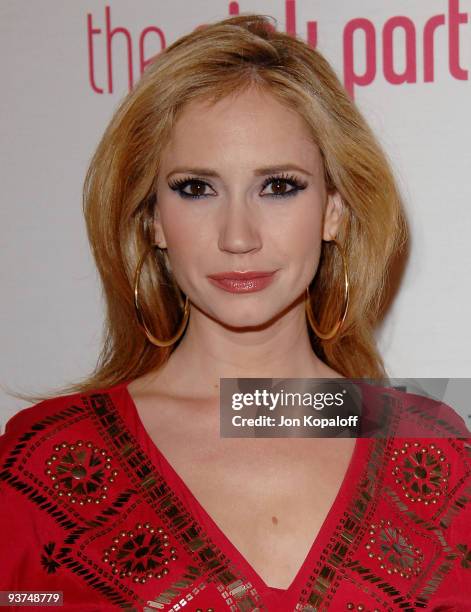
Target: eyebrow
{"points": [[258, 172]]}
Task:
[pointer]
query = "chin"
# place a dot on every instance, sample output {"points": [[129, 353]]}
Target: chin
{"points": [[245, 318]]}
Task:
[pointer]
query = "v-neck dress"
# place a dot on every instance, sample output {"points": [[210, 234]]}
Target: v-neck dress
{"points": [[91, 508]]}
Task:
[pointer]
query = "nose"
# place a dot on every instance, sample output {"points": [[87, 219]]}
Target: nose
{"points": [[239, 229]]}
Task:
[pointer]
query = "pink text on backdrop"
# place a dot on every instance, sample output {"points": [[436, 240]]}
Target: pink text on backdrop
{"points": [[368, 50], [362, 42]]}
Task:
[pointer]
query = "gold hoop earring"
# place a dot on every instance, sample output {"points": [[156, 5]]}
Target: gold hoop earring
{"points": [[140, 316], [307, 303]]}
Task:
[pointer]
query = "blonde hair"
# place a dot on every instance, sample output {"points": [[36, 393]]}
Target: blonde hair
{"points": [[119, 192]]}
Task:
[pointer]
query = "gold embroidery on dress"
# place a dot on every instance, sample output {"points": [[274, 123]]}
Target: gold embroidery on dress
{"points": [[80, 471], [422, 471], [140, 553], [393, 549], [237, 593]]}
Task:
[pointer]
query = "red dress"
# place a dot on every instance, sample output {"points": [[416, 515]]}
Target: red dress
{"points": [[89, 506]]}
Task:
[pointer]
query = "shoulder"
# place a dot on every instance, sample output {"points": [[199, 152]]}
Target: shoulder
{"points": [[25, 417], [411, 414], [55, 414]]}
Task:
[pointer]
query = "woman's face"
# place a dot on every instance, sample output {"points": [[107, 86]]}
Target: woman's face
{"points": [[241, 187]]}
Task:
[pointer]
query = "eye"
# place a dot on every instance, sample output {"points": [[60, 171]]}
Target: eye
{"points": [[196, 188], [280, 184]]}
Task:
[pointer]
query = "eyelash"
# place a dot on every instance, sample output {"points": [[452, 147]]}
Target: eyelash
{"points": [[288, 179]]}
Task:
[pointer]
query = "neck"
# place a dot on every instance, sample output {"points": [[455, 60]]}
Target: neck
{"points": [[210, 351]]}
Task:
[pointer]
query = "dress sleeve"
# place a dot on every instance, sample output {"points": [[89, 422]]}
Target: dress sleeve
{"points": [[18, 538], [20, 546], [442, 417], [32, 524], [17, 525]]}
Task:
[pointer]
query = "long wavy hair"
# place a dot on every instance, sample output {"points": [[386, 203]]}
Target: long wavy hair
{"points": [[119, 193]]}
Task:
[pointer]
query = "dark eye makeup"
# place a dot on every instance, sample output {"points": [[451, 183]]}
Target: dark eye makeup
{"points": [[280, 182]]}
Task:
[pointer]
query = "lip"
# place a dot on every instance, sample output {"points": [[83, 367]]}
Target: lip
{"points": [[249, 274], [242, 282]]}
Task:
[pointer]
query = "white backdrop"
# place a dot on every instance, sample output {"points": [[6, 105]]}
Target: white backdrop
{"points": [[57, 59]]}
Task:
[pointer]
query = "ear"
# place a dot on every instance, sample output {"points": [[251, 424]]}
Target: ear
{"points": [[159, 236], [333, 215]]}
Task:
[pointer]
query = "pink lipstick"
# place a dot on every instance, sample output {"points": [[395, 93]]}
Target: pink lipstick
{"points": [[242, 282]]}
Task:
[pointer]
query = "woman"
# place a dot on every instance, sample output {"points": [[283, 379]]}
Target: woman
{"points": [[237, 155]]}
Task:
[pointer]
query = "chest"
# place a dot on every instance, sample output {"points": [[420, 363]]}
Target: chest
{"points": [[268, 496]]}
